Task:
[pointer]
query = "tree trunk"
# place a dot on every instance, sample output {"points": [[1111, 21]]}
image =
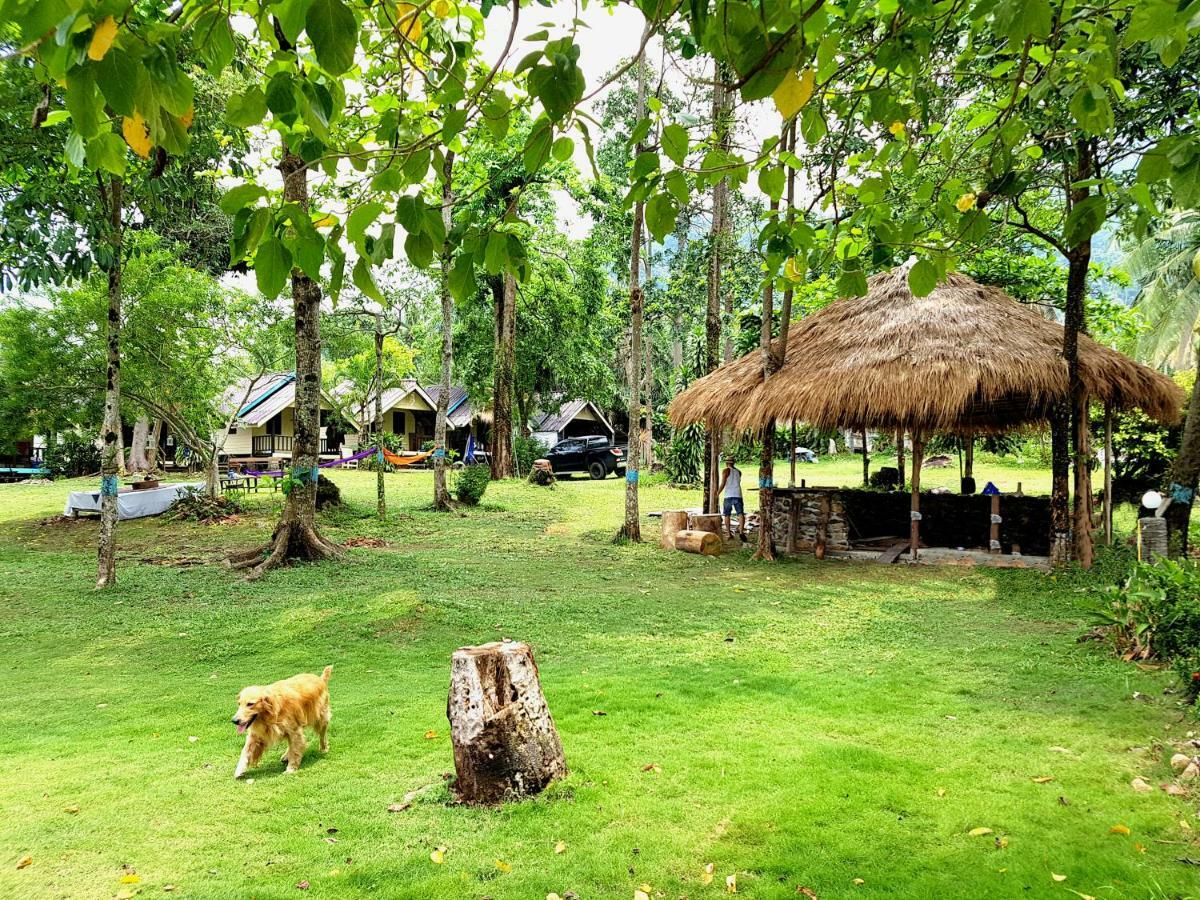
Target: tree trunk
{"points": [[900, 455], [212, 476], [380, 486], [718, 241], [703, 542], [673, 522], [296, 535], [441, 493], [1185, 474], [503, 465], [914, 527], [1060, 478], [1075, 323], [110, 454], [137, 462], [969, 454], [152, 444], [773, 354], [632, 528], [505, 743], [866, 460]]}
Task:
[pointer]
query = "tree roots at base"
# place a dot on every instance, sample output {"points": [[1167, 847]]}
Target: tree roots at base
{"points": [[291, 540]]}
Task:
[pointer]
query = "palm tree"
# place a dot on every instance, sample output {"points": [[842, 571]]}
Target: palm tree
{"points": [[1167, 265]]}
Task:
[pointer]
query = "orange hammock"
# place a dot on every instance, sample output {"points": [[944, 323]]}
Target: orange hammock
{"points": [[405, 460]]}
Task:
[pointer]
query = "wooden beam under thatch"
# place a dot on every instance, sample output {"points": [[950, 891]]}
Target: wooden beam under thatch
{"points": [[965, 357]]}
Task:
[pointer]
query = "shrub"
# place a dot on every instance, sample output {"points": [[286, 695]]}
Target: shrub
{"points": [[73, 455], [1156, 612], [525, 451], [470, 483], [685, 455]]}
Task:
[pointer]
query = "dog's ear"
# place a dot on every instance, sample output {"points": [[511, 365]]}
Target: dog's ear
{"points": [[265, 706]]}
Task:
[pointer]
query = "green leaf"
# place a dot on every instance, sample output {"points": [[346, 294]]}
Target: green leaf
{"points": [[646, 163], [361, 276], [107, 151], [461, 280], [214, 39], [923, 278], [558, 86], [419, 248], [496, 115], [1019, 19], [675, 143], [360, 220], [310, 255], [246, 110], [291, 15], [563, 149], [661, 212], [495, 255], [676, 182], [453, 124], [272, 265], [83, 102], [852, 283], [1085, 219], [333, 30], [242, 195], [117, 77], [771, 181], [537, 147], [410, 213]]}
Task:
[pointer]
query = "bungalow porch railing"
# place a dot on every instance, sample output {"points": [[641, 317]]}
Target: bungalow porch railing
{"points": [[277, 444]]}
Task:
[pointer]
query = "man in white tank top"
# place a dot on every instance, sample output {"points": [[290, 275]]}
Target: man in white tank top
{"points": [[731, 497]]}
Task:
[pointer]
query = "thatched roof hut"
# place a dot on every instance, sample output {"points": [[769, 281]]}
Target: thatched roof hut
{"points": [[967, 357]]}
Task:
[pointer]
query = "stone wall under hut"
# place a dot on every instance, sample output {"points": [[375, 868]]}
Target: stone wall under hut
{"points": [[947, 520]]}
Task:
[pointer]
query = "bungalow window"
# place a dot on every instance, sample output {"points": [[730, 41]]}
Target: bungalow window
{"points": [[275, 424]]}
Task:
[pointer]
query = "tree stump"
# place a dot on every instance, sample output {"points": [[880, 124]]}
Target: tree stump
{"points": [[703, 542], [707, 522], [505, 743], [673, 521]]}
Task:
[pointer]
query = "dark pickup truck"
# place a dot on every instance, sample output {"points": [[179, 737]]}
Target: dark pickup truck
{"points": [[593, 454]]}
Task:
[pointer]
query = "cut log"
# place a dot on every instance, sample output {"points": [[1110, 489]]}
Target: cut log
{"points": [[706, 522], [673, 520], [702, 542], [505, 743]]}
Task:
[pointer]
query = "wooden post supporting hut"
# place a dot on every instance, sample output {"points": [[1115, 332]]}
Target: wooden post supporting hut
{"points": [[505, 744]]}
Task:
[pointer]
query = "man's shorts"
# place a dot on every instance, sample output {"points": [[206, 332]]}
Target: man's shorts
{"points": [[734, 505]]}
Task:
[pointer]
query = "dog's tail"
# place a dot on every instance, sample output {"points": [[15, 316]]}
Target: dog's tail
{"points": [[325, 675]]}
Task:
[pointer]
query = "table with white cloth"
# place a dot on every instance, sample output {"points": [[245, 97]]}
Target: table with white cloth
{"points": [[131, 504]]}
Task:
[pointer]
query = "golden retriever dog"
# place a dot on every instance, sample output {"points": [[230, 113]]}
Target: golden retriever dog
{"points": [[280, 712]]}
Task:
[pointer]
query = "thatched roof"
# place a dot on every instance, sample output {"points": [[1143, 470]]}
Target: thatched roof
{"points": [[965, 357]]}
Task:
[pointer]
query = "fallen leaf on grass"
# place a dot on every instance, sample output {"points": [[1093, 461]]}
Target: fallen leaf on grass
{"points": [[430, 734], [941, 792], [130, 879], [979, 832], [859, 882], [706, 876], [651, 767], [168, 888], [192, 739], [1140, 785], [599, 712], [1058, 877], [1139, 847], [553, 896], [560, 847], [1119, 829], [1043, 779], [806, 892], [302, 885], [643, 892], [1001, 843], [438, 855], [503, 866], [1062, 750], [25, 862], [72, 809], [127, 894], [398, 807]]}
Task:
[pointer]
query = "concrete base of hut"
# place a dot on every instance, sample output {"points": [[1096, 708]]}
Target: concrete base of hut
{"points": [[944, 556]]}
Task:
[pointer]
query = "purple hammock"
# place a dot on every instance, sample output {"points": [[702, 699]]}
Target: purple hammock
{"points": [[362, 454]]}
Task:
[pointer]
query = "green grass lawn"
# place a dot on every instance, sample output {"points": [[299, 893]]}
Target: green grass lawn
{"points": [[795, 724]]}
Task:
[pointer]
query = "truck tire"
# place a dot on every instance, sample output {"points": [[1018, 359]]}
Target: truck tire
{"points": [[597, 471]]}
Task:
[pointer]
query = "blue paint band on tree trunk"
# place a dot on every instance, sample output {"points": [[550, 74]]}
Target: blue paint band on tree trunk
{"points": [[1180, 494], [631, 476], [767, 483], [109, 485], [379, 455]]}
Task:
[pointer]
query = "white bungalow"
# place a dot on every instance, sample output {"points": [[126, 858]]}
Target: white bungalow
{"points": [[265, 425]]}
